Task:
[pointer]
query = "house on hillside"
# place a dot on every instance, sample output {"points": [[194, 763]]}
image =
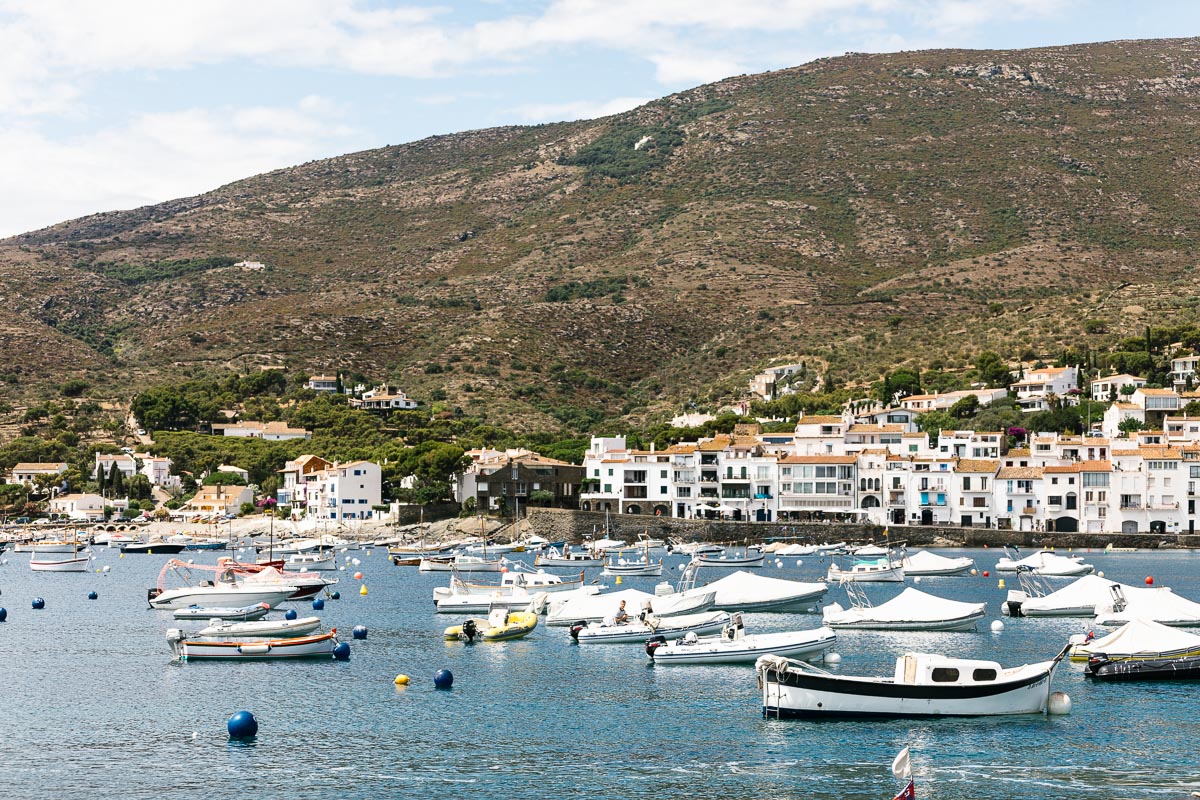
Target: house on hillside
{"points": [[1038, 384], [219, 500], [765, 385], [511, 476], [1109, 388], [1183, 372], [946, 401], [384, 398], [276, 431], [297, 475], [26, 472], [322, 383], [80, 507], [126, 464]]}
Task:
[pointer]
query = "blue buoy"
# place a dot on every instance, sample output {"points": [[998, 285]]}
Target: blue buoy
{"points": [[3, 614], [92, 595], [242, 725], [318, 604], [291, 614], [39, 603], [443, 679], [360, 631], [342, 651], [335, 596]]}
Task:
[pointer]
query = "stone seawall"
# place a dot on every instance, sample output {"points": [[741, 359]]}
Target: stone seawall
{"points": [[574, 526]]}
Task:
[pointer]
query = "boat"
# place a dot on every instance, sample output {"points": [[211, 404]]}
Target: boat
{"points": [[792, 550], [735, 646], [314, 560], [1045, 562], [207, 545], [191, 648], [567, 557], [514, 580], [745, 591], [1077, 599], [924, 685], [1159, 604], [634, 568], [305, 584], [1140, 639], [55, 561], [880, 570], [641, 629], [61, 546], [483, 602], [1178, 668], [461, 563], [153, 546], [750, 556], [256, 611], [911, 610], [225, 591], [870, 551], [502, 624], [925, 563], [260, 629], [568, 608]]}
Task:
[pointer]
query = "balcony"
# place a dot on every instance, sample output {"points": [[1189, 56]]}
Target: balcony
{"points": [[1028, 511], [763, 496], [708, 493], [1131, 505]]}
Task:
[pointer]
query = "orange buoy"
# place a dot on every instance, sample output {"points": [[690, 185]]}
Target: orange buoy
{"points": [[1149, 580]]}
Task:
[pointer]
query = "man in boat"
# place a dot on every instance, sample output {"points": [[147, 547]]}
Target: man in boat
{"points": [[622, 616]]}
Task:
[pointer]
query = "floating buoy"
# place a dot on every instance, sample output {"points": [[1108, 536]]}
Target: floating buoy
{"points": [[38, 603], [191, 561], [974, 571], [997, 626], [833, 658], [1059, 704], [1005, 611], [401, 680], [363, 590], [318, 604], [503, 569], [355, 562], [916, 579], [1149, 580], [443, 679], [342, 651], [985, 546], [985, 573], [358, 576], [618, 580], [290, 614], [242, 725], [121, 556], [1001, 584], [3, 613], [778, 564], [360, 631], [343, 569], [107, 568], [799, 563], [335, 596], [1100, 574], [92, 595]]}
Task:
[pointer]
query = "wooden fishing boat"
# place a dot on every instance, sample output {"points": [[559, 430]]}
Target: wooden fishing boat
{"points": [[193, 648]]}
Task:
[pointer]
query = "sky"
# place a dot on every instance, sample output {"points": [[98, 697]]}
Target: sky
{"points": [[114, 104]]}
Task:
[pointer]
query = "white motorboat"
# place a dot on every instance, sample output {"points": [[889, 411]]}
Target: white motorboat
{"points": [[1139, 639], [570, 607], [322, 560], [512, 581], [516, 600], [49, 562], [1158, 604], [263, 628], [924, 685], [733, 559], [911, 610], [306, 584], [639, 630], [796, 550], [632, 568], [192, 648], [567, 557], [256, 611], [745, 591], [882, 570], [226, 591], [924, 562], [1047, 564], [735, 646]]}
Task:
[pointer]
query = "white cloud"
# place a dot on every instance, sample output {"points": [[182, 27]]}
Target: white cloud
{"points": [[584, 109]]}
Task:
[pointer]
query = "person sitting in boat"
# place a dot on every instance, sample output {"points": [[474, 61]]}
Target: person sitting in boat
{"points": [[622, 616]]}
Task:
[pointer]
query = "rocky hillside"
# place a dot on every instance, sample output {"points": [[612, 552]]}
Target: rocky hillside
{"points": [[864, 211]]}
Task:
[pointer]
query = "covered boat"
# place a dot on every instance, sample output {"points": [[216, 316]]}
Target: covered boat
{"points": [[1076, 599], [735, 646], [571, 607], [307, 584], [192, 648], [514, 581], [640, 630], [1048, 564], [1160, 604], [552, 557], [461, 562], [1138, 640], [880, 570], [795, 549], [911, 610], [261, 629], [924, 562], [924, 685], [731, 557], [745, 591], [256, 611]]}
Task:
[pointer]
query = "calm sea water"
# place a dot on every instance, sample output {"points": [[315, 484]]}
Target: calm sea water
{"points": [[95, 707]]}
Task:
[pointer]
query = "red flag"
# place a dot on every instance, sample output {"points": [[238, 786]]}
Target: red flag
{"points": [[909, 793]]}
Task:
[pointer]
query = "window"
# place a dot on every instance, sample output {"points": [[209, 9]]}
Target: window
{"points": [[1095, 479], [608, 487], [1055, 500], [610, 472], [984, 675], [662, 474], [966, 484], [944, 675], [662, 490], [362, 501]]}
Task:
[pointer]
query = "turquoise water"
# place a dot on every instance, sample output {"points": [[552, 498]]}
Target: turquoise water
{"points": [[95, 707]]}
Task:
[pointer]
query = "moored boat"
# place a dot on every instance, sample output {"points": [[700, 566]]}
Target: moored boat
{"points": [[1160, 669], [263, 628], [255, 611], [925, 563], [638, 631], [226, 591], [911, 610], [191, 648], [882, 570], [747, 558], [735, 646]]}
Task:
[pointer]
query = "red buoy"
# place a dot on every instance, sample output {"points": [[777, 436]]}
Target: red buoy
{"points": [[1149, 580], [985, 573]]}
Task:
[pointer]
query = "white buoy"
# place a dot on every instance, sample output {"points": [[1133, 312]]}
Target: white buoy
{"points": [[1059, 704], [356, 562], [679, 566], [974, 572], [833, 658], [997, 626], [1098, 575], [343, 569], [916, 579], [1004, 611], [107, 568], [620, 562], [799, 563]]}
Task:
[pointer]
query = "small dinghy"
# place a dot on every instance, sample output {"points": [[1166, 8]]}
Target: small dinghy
{"points": [[911, 610], [256, 611], [1179, 668], [501, 625], [264, 628], [735, 646], [924, 685], [930, 564], [636, 632], [193, 648]]}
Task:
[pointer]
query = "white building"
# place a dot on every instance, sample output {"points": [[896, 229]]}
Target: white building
{"points": [[80, 507], [1110, 388], [297, 476], [384, 398], [1039, 384], [1156, 401], [126, 464], [276, 431], [346, 491], [322, 383], [27, 471], [158, 470], [1183, 372], [946, 401]]}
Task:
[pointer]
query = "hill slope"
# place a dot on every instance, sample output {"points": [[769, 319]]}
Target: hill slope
{"points": [[866, 210]]}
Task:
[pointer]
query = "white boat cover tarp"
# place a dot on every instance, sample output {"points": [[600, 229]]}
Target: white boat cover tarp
{"points": [[1160, 604], [1141, 637], [1044, 563], [744, 588], [1086, 592], [600, 606], [923, 560], [911, 605], [792, 549]]}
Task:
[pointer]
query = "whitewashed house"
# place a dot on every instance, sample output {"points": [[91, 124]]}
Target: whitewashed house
{"points": [[322, 383], [1183, 372], [80, 507], [1038, 384], [27, 471], [1110, 388], [276, 431]]}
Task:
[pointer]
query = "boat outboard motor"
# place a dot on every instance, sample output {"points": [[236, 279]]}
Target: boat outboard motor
{"points": [[653, 643], [576, 628], [152, 593], [469, 630]]}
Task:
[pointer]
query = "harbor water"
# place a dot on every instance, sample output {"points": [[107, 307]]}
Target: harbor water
{"points": [[95, 706]]}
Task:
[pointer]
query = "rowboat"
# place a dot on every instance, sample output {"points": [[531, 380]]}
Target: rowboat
{"points": [[750, 557], [735, 646], [256, 611], [639, 631], [263, 628], [190, 648], [48, 563], [924, 685]]}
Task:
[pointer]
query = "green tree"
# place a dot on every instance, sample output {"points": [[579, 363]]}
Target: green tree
{"points": [[965, 408], [116, 481], [224, 479], [992, 370], [1130, 425]]}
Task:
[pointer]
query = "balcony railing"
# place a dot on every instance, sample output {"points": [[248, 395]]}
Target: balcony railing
{"points": [[1131, 505]]}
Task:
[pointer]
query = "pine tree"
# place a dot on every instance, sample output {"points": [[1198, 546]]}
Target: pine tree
{"points": [[116, 480]]}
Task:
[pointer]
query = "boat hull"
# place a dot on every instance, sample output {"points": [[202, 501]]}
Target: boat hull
{"points": [[240, 614], [886, 575], [637, 633], [319, 646], [1165, 669], [161, 548], [222, 598], [804, 644], [965, 623], [279, 628], [40, 563]]}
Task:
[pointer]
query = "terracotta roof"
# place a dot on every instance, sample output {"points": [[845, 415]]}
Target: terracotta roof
{"points": [[34, 466], [1095, 466], [1019, 473], [1157, 392], [1017, 452], [973, 465], [1160, 453], [819, 419], [1068, 468]]}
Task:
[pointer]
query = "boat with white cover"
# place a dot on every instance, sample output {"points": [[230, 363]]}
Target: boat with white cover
{"points": [[797, 550], [567, 557], [1159, 604], [512, 581], [870, 551], [515, 600], [461, 562], [881, 570], [262, 628], [1077, 599], [1048, 564], [639, 630], [256, 611], [315, 560], [924, 685], [187, 647], [745, 591], [911, 610], [569, 607], [732, 559], [1139, 639], [307, 584], [735, 646], [925, 563]]}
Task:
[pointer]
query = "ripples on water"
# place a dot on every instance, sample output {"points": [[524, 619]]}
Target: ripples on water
{"points": [[94, 707]]}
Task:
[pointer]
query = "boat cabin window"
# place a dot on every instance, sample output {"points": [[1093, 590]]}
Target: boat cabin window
{"points": [[984, 675], [944, 675]]}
